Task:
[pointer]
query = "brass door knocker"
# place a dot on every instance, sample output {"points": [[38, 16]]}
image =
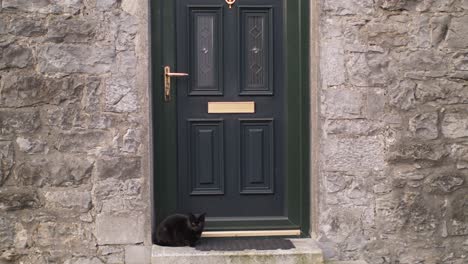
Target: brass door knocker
{"points": [[230, 2]]}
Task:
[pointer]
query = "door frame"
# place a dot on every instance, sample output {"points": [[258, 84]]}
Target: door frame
{"points": [[164, 117]]}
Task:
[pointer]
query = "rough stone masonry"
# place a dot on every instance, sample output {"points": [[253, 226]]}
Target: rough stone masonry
{"points": [[74, 131], [394, 130]]}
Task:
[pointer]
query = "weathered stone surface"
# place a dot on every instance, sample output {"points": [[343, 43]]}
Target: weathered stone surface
{"points": [[408, 151], [27, 27], [40, 6], [137, 254], [424, 125], [351, 103], [70, 30], [444, 181], [93, 260], [420, 33], [333, 63], [119, 229], [443, 91], [12, 199], [106, 4], [367, 69], [43, 6], [130, 6], [131, 141], [121, 96], [402, 95], [75, 200], [392, 4], [18, 122], [344, 7], [7, 234], [54, 169], [82, 142], [461, 61], [31, 146], [122, 168], [457, 36], [66, 116], [455, 125], [21, 238], [439, 29], [113, 196], [458, 211], [60, 237], [422, 60], [356, 127], [15, 57], [388, 33], [75, 59], [353, 154], [6, 160], [31, 89], [375, 107]]}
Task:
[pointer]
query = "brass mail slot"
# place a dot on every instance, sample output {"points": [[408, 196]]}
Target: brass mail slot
{"points": [[231, 107]]}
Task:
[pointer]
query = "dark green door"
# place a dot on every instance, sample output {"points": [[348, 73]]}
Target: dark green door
{"points": [[247, 170], [230, 165]]}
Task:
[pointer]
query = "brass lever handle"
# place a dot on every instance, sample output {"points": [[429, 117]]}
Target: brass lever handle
{"points": [[167, 81]]}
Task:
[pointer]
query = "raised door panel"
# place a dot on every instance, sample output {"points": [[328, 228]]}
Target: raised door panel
{"points": [[206, 157], [256, 156]]}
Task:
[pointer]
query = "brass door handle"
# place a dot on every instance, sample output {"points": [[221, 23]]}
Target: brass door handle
{"points": [[167, 81]]}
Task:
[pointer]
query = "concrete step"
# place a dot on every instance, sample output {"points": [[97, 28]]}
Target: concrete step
{"points": [[306, 251]]}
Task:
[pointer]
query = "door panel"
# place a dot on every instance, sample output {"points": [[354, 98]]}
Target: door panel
{"points": [[231, 165], [205, 50], [256, 48], [257, 156], [206, 161]]}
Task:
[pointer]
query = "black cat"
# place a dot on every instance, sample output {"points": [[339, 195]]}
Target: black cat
{"points": [[180, 230]]}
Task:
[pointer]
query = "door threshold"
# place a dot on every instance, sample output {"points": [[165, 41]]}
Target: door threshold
{"points": [[252, 233]]}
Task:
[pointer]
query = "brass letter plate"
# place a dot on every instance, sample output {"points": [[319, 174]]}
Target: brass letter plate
{"points": [[231, 107]]}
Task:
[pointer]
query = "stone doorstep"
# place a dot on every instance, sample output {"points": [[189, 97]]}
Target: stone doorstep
{"points": [[306, 252]]}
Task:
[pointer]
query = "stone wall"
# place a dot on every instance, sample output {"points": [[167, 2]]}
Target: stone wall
{"points": [[394, 130], [73, 131], [74, 126]]}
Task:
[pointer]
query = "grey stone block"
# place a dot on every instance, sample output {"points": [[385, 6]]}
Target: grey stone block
{"points": [[137, 255], [55, 169], [18, 122], [455, 125], [333, 62], [343, 103], [306, 251], [353, 154], [457, 36], [75, 200], [120, 229], [71, 30], [12, 199], [122, 168], [75, 59], [424, 125], [15, 57]]}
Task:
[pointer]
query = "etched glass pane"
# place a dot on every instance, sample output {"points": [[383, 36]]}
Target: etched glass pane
{"points": [[256, 63], [205, 50]]}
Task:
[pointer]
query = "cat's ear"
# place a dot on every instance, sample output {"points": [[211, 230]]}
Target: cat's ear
{"points": [[202, 217], [192, 217]]}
